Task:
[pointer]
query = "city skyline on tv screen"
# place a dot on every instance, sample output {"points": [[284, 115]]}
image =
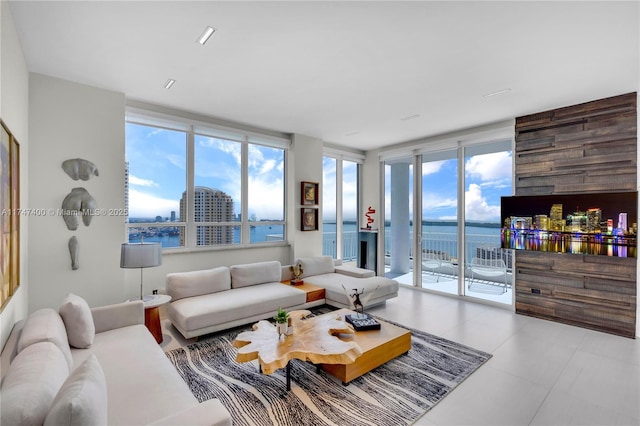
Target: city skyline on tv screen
{"points": [[598, 224]]}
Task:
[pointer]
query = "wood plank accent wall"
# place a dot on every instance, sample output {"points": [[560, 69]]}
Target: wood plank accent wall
{"points": [[585, 148]]}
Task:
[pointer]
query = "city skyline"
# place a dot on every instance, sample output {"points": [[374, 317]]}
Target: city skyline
{"points": [[609, 204]]}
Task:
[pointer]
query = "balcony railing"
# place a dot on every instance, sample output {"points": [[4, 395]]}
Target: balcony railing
{"points": [[443, 244]]}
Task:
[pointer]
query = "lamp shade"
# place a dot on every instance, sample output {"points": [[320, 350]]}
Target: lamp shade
{"points": [[144, 255]]}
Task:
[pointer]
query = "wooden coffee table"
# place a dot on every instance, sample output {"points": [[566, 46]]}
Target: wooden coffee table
{"points": [[325, 340], [313, 339], [378, 347]]}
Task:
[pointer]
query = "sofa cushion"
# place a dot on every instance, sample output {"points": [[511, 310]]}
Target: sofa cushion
{"points": [[142, 385], [82, 400], [316, 265], [201, 312], [32, 381], [196, 283], [45, 325], [354, 271], [78, 321], [255, 273]]}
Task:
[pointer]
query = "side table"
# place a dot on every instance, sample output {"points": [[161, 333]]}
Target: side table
{"points": [[314, 292], [152, 304]]}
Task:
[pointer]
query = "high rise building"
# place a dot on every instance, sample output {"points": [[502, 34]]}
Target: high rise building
{"points": [[210, 205], [577, 221], [594, 217], [556, 222], [622, 222], [541, 222]]}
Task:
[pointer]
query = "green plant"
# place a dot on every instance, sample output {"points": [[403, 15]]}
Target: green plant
{"points": [[281, 316]]}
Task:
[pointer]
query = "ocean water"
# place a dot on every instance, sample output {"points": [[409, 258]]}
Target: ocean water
{"points": [[435, 237]]}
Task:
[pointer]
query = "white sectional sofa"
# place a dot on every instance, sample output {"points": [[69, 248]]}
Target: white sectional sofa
{"points": [[118, 375], [207, 301]]}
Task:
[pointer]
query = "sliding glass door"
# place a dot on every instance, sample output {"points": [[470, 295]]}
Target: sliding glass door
{"points": [[439, 240], [455, 248], [488, 176]]}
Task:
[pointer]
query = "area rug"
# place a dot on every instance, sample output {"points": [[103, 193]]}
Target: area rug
{"points": [[396, 393]]}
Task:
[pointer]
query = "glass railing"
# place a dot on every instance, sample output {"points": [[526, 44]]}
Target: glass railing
{"points": [[349, 245], [445, 245]]}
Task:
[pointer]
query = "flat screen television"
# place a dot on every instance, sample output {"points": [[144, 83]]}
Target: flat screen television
{"points": [[604, 224]]}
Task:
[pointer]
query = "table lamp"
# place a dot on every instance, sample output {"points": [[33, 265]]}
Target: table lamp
{"points": [[142, 255]]}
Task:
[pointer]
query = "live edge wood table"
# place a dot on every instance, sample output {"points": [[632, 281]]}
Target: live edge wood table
{"points": [[378, 347], [374, 347], [313, 339]]}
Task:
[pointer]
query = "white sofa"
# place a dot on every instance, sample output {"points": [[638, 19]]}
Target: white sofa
{"points": [[207, 301], [339, 281], [120, 376]]}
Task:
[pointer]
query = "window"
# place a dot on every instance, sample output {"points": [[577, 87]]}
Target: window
{"points": [[340, 205], [194, 185], [155, 181], [329, 190], [266, 193], [217, 192], [349, 210]]}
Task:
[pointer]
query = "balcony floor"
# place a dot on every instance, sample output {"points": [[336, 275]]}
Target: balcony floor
{"points": [[448, 284]]}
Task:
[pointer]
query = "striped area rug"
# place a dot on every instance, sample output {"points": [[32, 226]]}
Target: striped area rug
{"points": [[396, 393]]}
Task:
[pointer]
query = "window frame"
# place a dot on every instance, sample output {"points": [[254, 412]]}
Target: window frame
{"points": [[246, 138]]}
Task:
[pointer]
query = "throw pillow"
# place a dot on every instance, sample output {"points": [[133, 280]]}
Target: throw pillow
{"points": [[32, 381], [45, 325], [82, 400], [78, 321]]}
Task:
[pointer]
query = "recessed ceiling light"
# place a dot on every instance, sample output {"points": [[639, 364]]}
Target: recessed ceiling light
{"points": [[169, 83], [410, 117], [204, 37], [499, 92]]}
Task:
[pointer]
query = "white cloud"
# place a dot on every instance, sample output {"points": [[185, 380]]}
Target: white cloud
{"points": [[177, 160], [434, 204], [477, 207], [227, 147], [142, 204], [266, 199], [134, 180], [432, 167], [490, 167], [267, 166]]}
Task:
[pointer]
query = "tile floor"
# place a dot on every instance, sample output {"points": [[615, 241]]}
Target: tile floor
{"points": [[541, 372]]}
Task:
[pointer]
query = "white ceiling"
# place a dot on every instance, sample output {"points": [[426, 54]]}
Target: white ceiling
{"points": [[344, 72]]}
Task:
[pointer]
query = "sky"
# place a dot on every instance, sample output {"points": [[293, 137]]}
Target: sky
{"points": [[157, 172], [157, 178], [487, 178]]}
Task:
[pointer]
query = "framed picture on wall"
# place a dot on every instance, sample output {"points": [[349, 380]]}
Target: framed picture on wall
{"points": [[309, 219], [9, 219], [309, 194]]}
